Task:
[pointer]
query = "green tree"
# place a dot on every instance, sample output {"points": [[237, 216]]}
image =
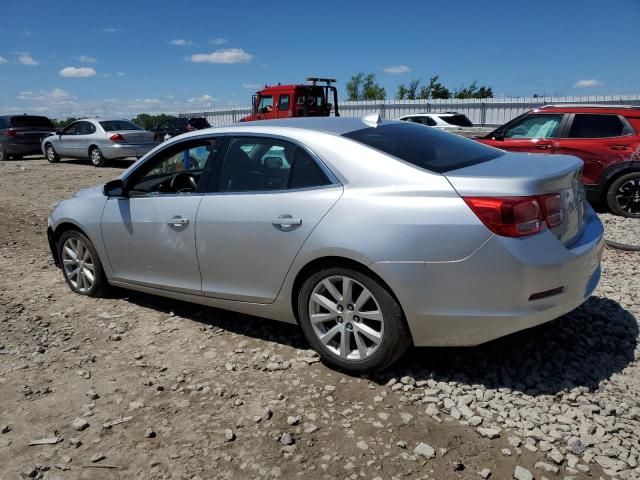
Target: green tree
{"points": [[147, 121], [365, 87], [434, 89], [473, 91], [401, 94]]}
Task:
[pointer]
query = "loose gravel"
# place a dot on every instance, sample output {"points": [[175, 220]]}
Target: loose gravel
{"points": [[621, 230]]}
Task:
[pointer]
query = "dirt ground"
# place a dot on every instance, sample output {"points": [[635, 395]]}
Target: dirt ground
{"points": [[204, 393]]}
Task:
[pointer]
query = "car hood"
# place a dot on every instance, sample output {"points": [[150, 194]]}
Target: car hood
{"points": [[95, 191]]}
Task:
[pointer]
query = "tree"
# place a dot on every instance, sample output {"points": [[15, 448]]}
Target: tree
{"points": [[434, 89], [473, 91], [402, 92], [147, 121], [364, 87]]}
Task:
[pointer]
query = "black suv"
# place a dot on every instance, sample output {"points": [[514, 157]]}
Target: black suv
{"points": [[22, 135], [176, 126]]}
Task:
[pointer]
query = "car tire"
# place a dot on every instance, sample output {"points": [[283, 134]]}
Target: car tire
{"points": [[80, 265], [623, 195], [51, 154], [3, 154], [373, 329], [96, 158]]}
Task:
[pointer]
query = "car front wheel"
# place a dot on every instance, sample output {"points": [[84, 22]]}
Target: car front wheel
{"points": [[352, 321], [51, 154], [80, 264], [623, 195]]}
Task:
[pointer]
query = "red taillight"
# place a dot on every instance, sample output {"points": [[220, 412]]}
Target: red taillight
{"points": [[117, 138], [11, 133], [553, 212], [508, 216]]}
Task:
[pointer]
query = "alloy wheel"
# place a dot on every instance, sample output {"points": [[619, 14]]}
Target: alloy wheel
{"points": [[51, 154], [96, 156], [78, 264], [346, 317], [628, 196]]}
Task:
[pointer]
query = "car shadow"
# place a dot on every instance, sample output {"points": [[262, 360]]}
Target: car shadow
{"points": [[580, 349], [126, 163]]}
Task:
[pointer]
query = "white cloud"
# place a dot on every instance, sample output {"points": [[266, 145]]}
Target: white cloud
{"points": [[203, 99], [87, 59], [73, 72], [27, 59], [181, 42], [397, 69], [252, 86], [121, 74], [218, 41], [110, 30], [57, 95], [590, 83], [227, 55], [3, 60]]}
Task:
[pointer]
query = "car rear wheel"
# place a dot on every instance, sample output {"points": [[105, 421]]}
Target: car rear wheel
{"points": [[51, 154], [352, 321], [80, 264], [623, 195], [96, 157]]}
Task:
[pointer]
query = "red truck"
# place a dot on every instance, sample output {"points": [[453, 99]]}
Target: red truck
{"points": [[302, 100]]}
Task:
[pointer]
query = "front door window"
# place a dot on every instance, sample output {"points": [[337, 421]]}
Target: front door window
{"points": [[535, 126]]}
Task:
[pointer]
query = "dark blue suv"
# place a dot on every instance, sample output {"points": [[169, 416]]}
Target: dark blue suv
{"points": [[22, 135]]}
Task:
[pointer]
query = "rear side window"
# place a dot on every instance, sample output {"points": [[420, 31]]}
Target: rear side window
{"points": [[283, 103], [427, 148], [30, 121], [306, 172], [457, 120], [598, 126], [115, 125]]}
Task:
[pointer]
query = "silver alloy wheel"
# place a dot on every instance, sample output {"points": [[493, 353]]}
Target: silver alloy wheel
{"points": [[96, 156], [78, 264], [346, 317], [628, 196], [51, 154]]}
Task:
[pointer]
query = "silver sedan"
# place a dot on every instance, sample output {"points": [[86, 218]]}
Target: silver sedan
{"points": [[372, 235], [99, 141]]}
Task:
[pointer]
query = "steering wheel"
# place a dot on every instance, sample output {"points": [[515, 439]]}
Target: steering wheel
{"points": [[183, 182]]}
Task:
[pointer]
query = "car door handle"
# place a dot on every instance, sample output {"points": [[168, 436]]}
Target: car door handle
{"points": [[286, 221], [544, 146], [619, 147], [178, 221]]}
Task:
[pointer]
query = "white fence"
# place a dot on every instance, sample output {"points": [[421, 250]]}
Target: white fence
{"points": [[489, 111]]}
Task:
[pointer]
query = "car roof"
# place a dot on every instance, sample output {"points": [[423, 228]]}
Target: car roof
{"points": [[590, 108], [333, 125]]}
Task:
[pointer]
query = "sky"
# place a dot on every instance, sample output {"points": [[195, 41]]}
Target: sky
{"points": [[120, 58]]}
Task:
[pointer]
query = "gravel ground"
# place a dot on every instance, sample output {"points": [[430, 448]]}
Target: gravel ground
{"points": [[136, 386], [621, 230]]}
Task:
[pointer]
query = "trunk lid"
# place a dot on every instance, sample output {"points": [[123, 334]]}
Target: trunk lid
{"points": [[520, 175], [135, 136]]}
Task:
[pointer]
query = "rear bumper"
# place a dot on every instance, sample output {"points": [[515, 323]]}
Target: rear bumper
{"points": [[118, 150], [22, 149], [488, 295]]}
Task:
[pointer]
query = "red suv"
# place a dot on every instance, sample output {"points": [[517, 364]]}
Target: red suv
{"points": [[605, 137]]}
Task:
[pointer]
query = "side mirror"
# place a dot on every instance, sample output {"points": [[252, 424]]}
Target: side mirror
{"points": [[114, 188], [499, 135]]}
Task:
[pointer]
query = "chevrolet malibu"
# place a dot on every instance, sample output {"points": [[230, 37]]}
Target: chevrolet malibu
{"points": [[372, 235]]}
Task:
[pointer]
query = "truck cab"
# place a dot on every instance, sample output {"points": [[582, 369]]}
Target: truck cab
{"points": [[303, 100]]}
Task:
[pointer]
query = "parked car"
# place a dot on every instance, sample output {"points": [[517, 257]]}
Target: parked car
{"points": [[372, 235], [98, 140], [177, 126], [20, 135], [605, 137], [452, 122]]}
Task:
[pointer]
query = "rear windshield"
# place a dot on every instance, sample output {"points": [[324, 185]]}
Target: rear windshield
{"points": [[457, 120], [30, 121], [427, 148], [115, 125]]}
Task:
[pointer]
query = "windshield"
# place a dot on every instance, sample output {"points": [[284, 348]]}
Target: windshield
{"points": [[458, 120], [115, 125], [31, 121], [427, 148]]}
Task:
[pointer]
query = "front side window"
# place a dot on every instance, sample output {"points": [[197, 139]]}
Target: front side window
{"points": [[266, 104], [283, 104], [265, 164], [177, 169], [71, 129], [535, 126], [597, 126]]}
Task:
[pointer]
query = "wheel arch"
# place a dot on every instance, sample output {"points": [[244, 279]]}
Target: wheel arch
{"points": [[334, 261], [613, 173]]}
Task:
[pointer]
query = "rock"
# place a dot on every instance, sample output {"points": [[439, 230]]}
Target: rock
{"points": [[424, 450], [556, 456], [97, 457], [80, 424], [149, 433], [75, 442], [229, 436], [293, 420], [546, 467], [489, 433], [92, 395], [406, 418], [521, 473], [484, 473], [506, 452], [401, 444], [362, 445], [287, 439], [457, 465], [5, 429], [576, 446], [475, 421]]}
